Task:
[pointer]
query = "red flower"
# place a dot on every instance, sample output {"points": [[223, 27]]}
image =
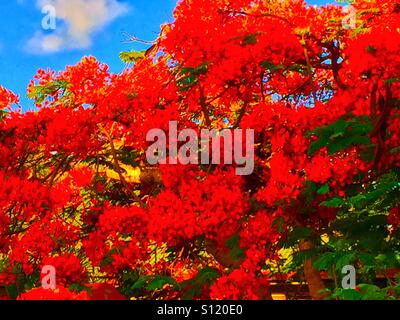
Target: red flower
{"points": [[60, 293], [69, 269], [103, 291]]}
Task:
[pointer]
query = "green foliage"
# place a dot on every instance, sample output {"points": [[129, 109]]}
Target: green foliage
{"points": [[145, 286], [295, 236], [395, 150], [380, 195], [347, 294], [364, 292], [359, 236], [335, 202], [271, 67], [233, 243], [128, 156], [324, 189], [127, 281], [334, 260], [250, 39], [132, 56], [77, 288], [299, 257], [41, 92], [3, 114], [12, 291], [190, 76], [341, 135], [193, 288], [151, 283], [134, 285]]}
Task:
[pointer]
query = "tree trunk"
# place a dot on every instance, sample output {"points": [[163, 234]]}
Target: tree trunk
{"points": [[312, 275]]}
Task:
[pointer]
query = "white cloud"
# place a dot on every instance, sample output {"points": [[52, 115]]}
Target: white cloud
{"points": [[80, 20]]}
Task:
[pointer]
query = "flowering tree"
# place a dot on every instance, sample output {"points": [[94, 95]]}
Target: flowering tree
{"points": [[77, 193]]}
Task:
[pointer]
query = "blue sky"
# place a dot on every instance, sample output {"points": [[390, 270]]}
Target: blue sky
{"points": [[84, 27]]}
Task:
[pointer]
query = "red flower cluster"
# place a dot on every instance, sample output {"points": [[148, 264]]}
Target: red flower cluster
{"points": [[60, 293], [69, 269]]}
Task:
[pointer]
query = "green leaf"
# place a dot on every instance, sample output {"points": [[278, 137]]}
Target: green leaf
{"points": [[388, 260], [372, 240], [193, 287], [108, 259], [160, 281], [250, 39], [309, 192], [128, 157], [201, 69], [152, 283], [298, 68], [325, 261], [190, 76], [358, 201], [296, 235], [41, 92], [299, 258], [3, 114], [344, 259], [347, 141], [132, 56], [318, 144], [140, 283], [368, 153], [371, 49], [271, 67], [233, 243], [335, 202], [324, 189], [279, 223], [12, 291], [371, 292], [341, 135], [347, 294], [76, 287], [395, 150], [367, 259], [392, 80]]}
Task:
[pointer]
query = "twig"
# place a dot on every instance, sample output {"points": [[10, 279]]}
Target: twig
{"points": [[118, 168]]}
